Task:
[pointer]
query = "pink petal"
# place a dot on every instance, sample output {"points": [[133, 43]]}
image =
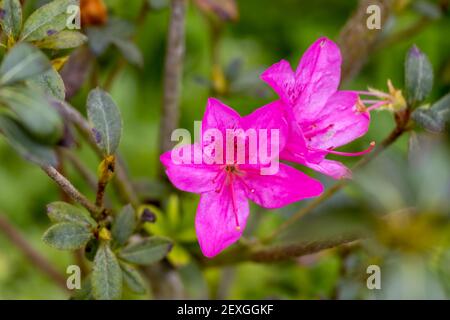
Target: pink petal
{"points": [[281, 78], [219, 116], [189, 177], [215, 222], [331, 168], [338, 123], [318, 74], [264, 120], [274, 191]]}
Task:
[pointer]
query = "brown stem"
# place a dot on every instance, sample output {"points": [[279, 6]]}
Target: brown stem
{"points": [[173, 70], [69, 189], [356, 40], [276, 253], [37, 260]]}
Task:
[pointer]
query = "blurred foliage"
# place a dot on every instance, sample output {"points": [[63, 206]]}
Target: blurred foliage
{"points": [[402, 199]]}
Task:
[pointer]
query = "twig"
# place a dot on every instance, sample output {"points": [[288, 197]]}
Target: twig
{"points": [[276, 253], [356, 40], [173, 73], [30, 253], [69, 189]]}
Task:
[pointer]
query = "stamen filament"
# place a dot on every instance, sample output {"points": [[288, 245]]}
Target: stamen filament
{"points": [[233, 201], [353, 154]]}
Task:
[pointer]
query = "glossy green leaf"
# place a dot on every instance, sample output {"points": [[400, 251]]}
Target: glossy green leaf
{"points": [[62, 40], [67, 236], [49, 82], [21, 62], [28, 148], [146, 252], [47, 20], [11, 20], [106, 275], [34, 111], [64, 212], [418, 76], [124, 225], [133, 279], [106, 120]]}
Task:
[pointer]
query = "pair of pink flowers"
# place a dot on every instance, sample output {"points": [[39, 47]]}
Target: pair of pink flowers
{"points": [[313, 118]]}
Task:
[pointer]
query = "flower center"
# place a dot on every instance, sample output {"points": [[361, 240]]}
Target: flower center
{"points": [[225, 178]]}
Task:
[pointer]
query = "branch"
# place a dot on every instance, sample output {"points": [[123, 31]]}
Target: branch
{"points": [[69, 189], [30, 253], [173, 73], [356, 40], [276, 253]]}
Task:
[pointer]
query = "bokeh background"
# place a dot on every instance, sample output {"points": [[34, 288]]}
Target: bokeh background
{"points": [[401, 200]]}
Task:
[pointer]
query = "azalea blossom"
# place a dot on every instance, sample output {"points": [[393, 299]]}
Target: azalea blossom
{"points": [[321, 117], [226, 187]]}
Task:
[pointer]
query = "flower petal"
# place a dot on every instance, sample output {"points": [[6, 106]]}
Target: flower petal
{"points": [[331, 168], [281, 78], [274, 191], [338, 123], [189, 176], [318, 74], [269, 117], [219, 116], [215, 221]]}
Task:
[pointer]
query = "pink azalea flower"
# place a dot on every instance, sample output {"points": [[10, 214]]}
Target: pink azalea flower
{"points": [[226, 188], [322, 117]]}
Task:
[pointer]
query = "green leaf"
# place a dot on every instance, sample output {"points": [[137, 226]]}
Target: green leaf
{"points": [[130, 51], [146, 252], [34, 111], [49, 82], [100, 38], [124, 225], [67, 236], [418, 76], [62, 40], [11, 20], [428, 120], [106, 275], [133, 279], [442, 107], [47, 20], [106, 120], [64, 212], [20, 140], [21, 62], [434, 118], [85, 292]]}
